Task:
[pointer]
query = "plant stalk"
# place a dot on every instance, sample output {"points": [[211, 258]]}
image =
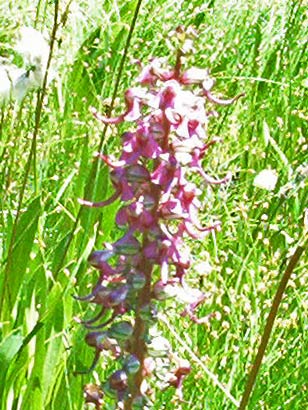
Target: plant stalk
{"points": [[138, 347], [138, 344], [269, 326]]}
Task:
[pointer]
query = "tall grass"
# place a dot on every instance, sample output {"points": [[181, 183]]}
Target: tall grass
{"points": [[253, 46]]}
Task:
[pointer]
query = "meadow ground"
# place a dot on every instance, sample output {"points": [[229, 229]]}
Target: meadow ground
{"points": [[46, 164]]}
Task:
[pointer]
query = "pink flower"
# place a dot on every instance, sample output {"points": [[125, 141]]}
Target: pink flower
{"points": [[159, 209]]}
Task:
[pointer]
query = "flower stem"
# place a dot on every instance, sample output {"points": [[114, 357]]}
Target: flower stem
{"points": [[269, 326], [138, 347]]}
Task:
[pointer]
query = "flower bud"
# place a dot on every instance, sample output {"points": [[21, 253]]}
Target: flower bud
{"points": [[118, 295], [137, 281], [95, 339], [137, 173], [118, 380], [121, 331], [131, 364], [129, 246], [102, 341], [97, 257], [101, 295]]}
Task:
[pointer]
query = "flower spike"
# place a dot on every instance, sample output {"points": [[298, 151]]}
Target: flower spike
{"points": [[159, 209]]}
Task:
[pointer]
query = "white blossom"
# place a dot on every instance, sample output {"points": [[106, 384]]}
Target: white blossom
{"points": [[15, 82], [34, 50], [266, 179]]}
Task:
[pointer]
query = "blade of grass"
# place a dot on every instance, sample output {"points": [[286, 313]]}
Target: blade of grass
{"points": [[269, 326], [8, 349]]}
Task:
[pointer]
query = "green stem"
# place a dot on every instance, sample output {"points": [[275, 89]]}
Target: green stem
{"points": [[269, 326]]}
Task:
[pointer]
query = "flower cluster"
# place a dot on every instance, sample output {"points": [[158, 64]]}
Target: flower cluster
{"points": [[159, 209]]}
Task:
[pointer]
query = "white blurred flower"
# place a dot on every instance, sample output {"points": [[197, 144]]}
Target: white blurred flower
{"points": [[266, 179], [14, 83], [34, 50]]}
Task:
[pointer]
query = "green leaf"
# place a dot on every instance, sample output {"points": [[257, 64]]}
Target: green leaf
{"points": [[53, 359], [9, 347], [80, 78], [33, 396], [18, 258], [53, 300]]}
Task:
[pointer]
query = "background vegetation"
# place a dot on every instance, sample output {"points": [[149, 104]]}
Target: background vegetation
{"points": [[46, 164]]}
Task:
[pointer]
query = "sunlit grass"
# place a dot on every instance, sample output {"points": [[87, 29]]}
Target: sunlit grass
{"points": [[254, 47]]}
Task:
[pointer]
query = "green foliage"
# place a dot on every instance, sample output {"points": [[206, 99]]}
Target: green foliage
{"points": [[8, 349], [19, 248], [252, 46]]}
